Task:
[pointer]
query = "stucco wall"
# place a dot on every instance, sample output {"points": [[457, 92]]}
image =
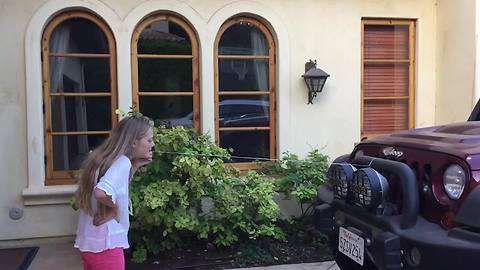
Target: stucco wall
{"points": [[455, 60], [326, 30], [38, 221]]}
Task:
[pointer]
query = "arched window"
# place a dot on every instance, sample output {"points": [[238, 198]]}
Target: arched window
{"points": [[165, 71], [79, 91], [245, 119]]}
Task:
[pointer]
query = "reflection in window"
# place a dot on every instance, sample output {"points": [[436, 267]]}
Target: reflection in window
{"points": [[246, 97], [77, 75], [165, 71], [246, 146], [243, 38], [79, 90], [164, 37], [80, 113], [239, 111], [243, 75], [165, 75], [78, 35], [178, 110], [72, 159]]}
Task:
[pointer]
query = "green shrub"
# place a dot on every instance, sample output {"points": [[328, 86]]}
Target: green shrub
{"points": [[194, 195], [299, 177]]}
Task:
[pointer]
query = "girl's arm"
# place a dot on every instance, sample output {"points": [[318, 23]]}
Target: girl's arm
{"points": [[103, 198], [112, 213]]}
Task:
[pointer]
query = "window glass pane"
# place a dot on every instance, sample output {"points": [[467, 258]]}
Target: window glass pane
{"points": [[70, 151], [243, 75], [168, 110], [385, 116], [386, 80], [244, 111], [243, 39], [81, 114], [164, 37], [78, 75], [78, 35], [155, 75], [383, 42], [246, 144]]}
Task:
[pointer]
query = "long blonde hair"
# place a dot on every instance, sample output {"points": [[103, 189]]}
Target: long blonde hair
{"points": [[118, 143]]}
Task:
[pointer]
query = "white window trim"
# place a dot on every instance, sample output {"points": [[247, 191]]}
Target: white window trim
{"points": [[36, 193]]}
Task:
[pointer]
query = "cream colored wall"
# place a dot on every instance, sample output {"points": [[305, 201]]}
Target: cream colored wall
{"points": [[326, 30], [455, 60], [332, 35], [38, 221]]}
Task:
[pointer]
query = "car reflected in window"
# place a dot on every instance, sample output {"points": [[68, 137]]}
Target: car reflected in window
{"points": [[186, 121], [233, 113], [246, 120]]}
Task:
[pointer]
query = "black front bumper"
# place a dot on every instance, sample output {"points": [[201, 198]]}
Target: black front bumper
{"points": [[404, 241], [389, 246]]}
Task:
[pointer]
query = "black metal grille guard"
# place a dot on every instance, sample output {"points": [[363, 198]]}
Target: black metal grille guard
{"points": [[410, 202]]}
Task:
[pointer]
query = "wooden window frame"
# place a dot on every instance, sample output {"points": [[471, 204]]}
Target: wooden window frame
{"points": [[271, 92], [195, 93], [411, 23], [65, 177]]}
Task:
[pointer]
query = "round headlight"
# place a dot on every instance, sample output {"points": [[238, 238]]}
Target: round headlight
{"points": [[368, 188], [339, 175], [454, 181]]}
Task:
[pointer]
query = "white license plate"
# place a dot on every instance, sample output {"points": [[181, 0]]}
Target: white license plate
{"points": [[351, 245]]}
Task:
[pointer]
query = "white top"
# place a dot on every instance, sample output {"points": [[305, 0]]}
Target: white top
{"points": [[111, 234]]}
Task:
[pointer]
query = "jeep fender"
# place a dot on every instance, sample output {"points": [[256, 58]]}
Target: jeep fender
{"points": [[468, 212]]}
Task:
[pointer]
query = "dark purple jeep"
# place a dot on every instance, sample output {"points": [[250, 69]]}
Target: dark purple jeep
{"points": [[410, 200]]}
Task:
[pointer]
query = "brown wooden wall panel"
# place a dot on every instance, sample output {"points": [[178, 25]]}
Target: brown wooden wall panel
{"points": [[385, 116], [385, 80], [386, 42]]}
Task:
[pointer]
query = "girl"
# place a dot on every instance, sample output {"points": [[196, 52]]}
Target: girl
{"points": [[102, 194]]}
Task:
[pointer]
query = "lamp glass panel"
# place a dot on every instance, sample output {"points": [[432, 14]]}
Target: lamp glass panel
{"points": [[316, 84], [311, 84], [321, 82]]}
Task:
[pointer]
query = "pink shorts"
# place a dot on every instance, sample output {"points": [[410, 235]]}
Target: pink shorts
{"points": [[111, 259]]}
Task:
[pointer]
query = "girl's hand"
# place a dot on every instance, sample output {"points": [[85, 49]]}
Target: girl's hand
{"points": [[112, 213]]}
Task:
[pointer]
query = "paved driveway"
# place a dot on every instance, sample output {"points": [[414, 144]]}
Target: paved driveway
{"points": [[65, 256]]}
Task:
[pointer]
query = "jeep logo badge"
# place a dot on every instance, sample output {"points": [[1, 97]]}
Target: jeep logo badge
{"points": [[390, 151]]}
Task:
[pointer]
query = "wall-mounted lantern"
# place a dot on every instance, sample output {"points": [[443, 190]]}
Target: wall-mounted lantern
{"points": [[314, 78]]}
